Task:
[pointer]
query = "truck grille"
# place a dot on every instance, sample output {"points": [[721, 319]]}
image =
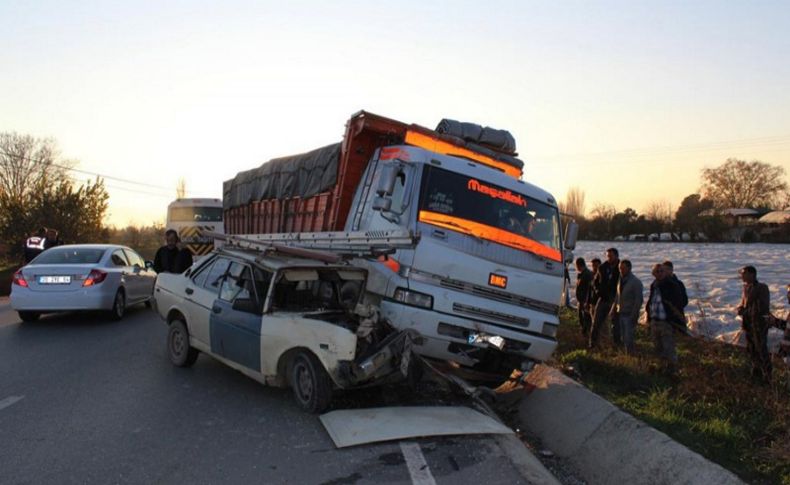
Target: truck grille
{"points": [[497, 295], [490, 314]]}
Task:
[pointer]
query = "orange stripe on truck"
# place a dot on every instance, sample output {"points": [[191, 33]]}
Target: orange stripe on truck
{"points": [[490, 233], [432, 144]]}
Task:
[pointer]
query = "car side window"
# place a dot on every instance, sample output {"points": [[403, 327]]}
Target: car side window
{"points": [[215, 273], [118, 258], [199, 278], [134, 258], [237, 284]]}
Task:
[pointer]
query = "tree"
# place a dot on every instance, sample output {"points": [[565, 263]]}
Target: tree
{"points": [[623, 222], [181, 188], [659, 215], [738, 183], [36, 191], [687, 217], [574, 203]]}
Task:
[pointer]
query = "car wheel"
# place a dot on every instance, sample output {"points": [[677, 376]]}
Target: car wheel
{"points": [[118, 306], [29, 316], [178, 349], [310, 383]]}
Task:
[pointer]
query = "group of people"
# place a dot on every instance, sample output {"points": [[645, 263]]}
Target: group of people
{"points": [[610, 291], [44, 238]]}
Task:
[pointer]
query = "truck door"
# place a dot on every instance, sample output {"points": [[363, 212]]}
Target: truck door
{"points": [[236, 315]]}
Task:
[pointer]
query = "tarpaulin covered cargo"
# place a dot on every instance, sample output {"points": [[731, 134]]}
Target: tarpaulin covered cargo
{"points": [[303, 175]]}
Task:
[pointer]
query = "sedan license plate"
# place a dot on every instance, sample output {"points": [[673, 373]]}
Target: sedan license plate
{"points": [[54, 280]]}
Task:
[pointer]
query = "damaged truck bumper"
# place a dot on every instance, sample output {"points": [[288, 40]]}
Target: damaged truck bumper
{"points": [[390, 361]]}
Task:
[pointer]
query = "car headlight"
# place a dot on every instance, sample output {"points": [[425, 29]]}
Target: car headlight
{"points": [[550, 329], [414, 298]]}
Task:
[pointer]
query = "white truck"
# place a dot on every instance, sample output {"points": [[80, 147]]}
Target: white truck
{"points": [[482, 285]]}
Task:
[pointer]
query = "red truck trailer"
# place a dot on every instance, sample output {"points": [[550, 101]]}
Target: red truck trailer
{"points": [[323, 205]]}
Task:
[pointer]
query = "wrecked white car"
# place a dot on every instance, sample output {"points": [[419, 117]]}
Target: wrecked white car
{"points": [[282, 320]]}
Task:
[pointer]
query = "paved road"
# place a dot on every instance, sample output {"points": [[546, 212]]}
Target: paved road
{"points": [[86, 400]]}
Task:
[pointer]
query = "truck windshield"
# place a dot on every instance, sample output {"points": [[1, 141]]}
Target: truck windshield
{"points": [[464, 204], [195, 214]]}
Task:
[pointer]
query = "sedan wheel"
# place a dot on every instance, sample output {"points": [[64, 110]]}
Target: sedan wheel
{"points": [[179, 351], [29, 316], [310, 383], [118, 306]]}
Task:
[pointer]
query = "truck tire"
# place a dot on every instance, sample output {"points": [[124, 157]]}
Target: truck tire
{"points": [[179, 351], [311, 384], [29, 316]]}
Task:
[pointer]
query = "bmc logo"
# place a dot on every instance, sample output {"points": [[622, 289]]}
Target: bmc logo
{"points": [[497, 280]]}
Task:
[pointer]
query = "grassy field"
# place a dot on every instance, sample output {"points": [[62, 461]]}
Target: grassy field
{"points": [[711, 406]]}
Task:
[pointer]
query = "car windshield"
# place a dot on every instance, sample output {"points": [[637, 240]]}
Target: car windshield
{"points": [[311, 290], [195, 214], [69, 255], [478, 208]]}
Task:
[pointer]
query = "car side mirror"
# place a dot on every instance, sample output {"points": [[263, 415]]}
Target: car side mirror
{"points": [[571, 234], [246, 305], [383, 204], [387, 179]]}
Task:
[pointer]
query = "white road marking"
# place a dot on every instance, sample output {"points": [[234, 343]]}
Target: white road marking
{"points": [[415, 462], [9, 401]]}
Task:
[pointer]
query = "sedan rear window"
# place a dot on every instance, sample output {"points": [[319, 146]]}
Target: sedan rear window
{"points": [[64, 255]]}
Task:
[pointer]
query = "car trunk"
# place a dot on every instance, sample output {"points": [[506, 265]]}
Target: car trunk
{"points": [[56, 277]]}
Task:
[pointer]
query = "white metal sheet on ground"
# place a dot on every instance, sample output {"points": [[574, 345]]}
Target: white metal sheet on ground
{"points": [[349, 427]]}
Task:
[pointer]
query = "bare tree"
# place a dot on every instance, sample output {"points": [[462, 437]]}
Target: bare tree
{"points": [[181, 188], [738, 183], [604, 211], [28, 164], [659, 210], [574, 203]]}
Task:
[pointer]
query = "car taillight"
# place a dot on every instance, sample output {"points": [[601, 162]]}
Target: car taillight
{"points": [[19, 279], [94, 277]]}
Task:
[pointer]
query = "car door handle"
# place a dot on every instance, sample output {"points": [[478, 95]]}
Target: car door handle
{"points": [[216, 309], [189, 291]]}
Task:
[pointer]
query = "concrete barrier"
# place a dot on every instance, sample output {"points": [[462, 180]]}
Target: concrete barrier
{"points": [[606, 444]]}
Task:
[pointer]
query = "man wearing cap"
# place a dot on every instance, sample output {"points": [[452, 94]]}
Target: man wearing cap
{"points": [[754, 309]]}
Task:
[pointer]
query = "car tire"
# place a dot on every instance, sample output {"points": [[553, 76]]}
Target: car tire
{"points": [[179, 351], [29, 316], [118, 306], [310, 382]]}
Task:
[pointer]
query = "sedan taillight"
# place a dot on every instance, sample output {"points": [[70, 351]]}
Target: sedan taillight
{"points": [[19, 279], [95, 277]]}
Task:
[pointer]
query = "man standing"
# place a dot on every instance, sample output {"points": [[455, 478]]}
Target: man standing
{"points": [[170, 258], [628, 304], [754, 307], [664, 316], [670, 268], [52, 239], [583, 287], [607, 279]]}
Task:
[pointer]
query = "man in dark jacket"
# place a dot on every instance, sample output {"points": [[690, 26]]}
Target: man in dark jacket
{"points": [[684, 295], [665, 315], [171, 258], [583, 287], [607, 278], [53, 239], [754, 308]]}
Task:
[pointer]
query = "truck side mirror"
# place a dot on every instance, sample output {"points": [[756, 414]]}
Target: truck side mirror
{"points": [[387, 179], [383, 204], [571, 234]]}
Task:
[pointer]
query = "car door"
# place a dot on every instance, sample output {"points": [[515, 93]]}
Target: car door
{"points": [[236, 317], [143, 277], [129, 281], [201, 291]]}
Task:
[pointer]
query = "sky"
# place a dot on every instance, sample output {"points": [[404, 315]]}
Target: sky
{"points": [[626, 100]]}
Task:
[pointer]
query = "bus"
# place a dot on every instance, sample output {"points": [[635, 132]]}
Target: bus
{"points": [[191, 217]]}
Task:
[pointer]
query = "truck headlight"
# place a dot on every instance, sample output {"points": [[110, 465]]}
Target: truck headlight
{"points": [[550, 329], [414, 298]]}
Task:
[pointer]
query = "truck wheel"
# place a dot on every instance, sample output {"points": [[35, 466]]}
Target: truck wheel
{"points": [[118, 306], [310, 383], [29, 316], [179, 351]]}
